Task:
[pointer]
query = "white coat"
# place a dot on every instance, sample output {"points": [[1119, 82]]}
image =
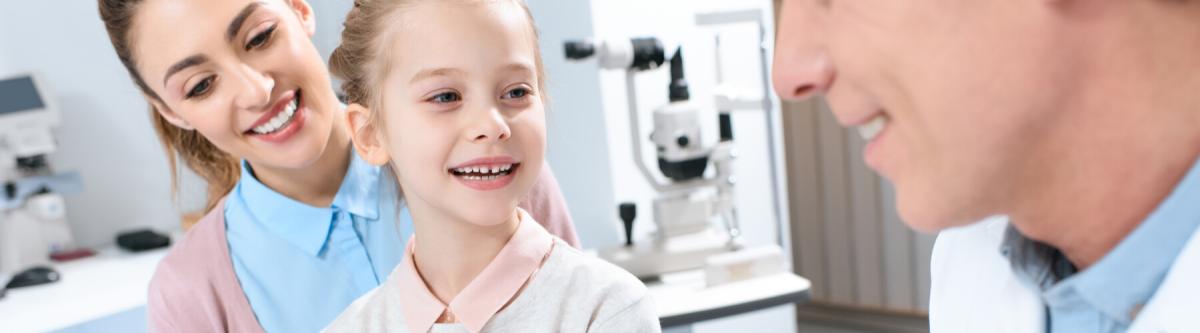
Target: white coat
{"points": [[975, 290]]}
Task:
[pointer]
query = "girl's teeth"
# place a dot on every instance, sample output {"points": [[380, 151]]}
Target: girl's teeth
{"points": [[475, 173], [872, 128]]}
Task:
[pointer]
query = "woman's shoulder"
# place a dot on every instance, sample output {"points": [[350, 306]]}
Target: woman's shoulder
{"points": [[200, 247]]}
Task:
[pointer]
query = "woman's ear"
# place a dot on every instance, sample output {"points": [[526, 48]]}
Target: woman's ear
{"points": [[169, 115], [305, 13], [366, 136]]}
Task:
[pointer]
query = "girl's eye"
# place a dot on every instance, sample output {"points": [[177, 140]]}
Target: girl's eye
{"points": [[446, 97], [261, 38], [517, 93], [201, 89]]}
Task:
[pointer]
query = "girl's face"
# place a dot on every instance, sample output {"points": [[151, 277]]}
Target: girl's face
{"points": [[462, 115], [243, 73]]}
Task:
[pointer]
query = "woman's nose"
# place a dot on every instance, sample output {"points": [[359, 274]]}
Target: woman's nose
{"points": [[255, 89], [802, 66]]}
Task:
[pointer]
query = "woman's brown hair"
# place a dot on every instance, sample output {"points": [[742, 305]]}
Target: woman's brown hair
{"points": [[218, 168]]}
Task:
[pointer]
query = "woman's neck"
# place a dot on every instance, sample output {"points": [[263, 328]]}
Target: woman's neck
{"points": [[450, 251], [318, 183]]}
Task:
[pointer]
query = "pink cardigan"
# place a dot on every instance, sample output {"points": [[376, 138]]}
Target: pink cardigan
{"points": [[195, 289]]}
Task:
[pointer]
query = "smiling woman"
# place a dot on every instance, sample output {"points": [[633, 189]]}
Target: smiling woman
{"points": [[299, 226]]}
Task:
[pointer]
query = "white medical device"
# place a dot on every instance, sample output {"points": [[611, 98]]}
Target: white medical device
{"points": [[32, 209]]}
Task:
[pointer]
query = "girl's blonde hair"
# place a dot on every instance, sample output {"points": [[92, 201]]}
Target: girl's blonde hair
{"points": [[361, 58], [218, 168]]}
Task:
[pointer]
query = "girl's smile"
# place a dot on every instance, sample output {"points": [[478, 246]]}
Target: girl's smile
{"points": [[486, 173]]}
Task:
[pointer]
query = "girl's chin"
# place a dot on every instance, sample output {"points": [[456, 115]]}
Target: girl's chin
{"points": [[490, 217]]}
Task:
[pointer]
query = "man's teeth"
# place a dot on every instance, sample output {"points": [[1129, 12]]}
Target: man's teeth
{"points": [[872, 128], [486, 172], [280, 120]]}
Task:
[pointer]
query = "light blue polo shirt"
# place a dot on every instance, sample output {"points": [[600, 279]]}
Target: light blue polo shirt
{"points": [[300, 265], [1108, 296]]}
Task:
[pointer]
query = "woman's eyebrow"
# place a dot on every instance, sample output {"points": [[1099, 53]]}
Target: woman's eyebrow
{"points": [[236, 24], [184, 64]]}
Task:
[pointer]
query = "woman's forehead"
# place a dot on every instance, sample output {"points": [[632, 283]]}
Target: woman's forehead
{"points": [[167, 31]]}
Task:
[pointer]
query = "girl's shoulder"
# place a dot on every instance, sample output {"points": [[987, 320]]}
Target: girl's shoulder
{"points": [[585, 275], [575, 292]]}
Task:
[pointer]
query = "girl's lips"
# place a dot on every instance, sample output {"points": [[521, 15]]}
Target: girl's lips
{"points": [[486, 180]]}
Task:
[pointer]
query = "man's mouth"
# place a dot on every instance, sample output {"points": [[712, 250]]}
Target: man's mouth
{"points": [[873, 127]]}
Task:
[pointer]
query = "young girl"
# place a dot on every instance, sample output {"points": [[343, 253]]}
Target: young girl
{"points": [[450, 95], [298, 226]]}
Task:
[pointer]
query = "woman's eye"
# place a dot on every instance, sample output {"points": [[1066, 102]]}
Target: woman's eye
{"points": [[517, 93], [446, 97], [261, 38], [200, 89]]}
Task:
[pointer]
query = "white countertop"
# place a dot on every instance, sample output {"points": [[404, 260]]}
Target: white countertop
{"points": [[111, 282], [684, 294], [116, 281]]}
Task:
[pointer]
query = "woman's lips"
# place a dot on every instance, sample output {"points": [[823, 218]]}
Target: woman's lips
{"points": [[293, 126]]}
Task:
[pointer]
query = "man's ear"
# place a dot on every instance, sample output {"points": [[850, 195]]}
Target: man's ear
{"points": [[169, 115], [366, 136], [305, 13]]}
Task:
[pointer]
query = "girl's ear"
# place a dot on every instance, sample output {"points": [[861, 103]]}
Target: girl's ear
{"points": [[305, 13], [366, 136], [169, 115]]}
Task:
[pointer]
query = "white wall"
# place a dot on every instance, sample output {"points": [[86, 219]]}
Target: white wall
{"points": [[105, 132], [578, 147]]}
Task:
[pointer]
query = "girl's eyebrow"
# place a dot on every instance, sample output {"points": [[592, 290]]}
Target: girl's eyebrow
{"points": [[450, 71], [444, 71], [517, 67]]}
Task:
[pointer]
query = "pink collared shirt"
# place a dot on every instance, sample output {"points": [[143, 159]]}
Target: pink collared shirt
{"points": [[498, 283]]}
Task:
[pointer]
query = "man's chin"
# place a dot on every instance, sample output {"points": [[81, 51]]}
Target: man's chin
{"points": [[932, 217]]}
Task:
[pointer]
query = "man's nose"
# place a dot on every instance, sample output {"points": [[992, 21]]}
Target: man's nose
{"points": [[802, 66]]}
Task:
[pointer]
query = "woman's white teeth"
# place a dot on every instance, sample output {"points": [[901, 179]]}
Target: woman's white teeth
{"points": [[872, 128], [483, 172], [280, 120]]}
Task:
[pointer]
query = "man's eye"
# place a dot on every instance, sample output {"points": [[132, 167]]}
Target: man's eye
{"points": [[446, 97], [261, 38], [200, 89]]}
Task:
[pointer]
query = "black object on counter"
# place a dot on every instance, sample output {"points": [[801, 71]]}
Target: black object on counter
{"points": [[628, 212], [32, 277], [142, 240]]}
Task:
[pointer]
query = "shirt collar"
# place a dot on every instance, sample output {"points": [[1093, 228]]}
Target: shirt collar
{"points": [[305, 226], [1128, 276], [494, 287]]}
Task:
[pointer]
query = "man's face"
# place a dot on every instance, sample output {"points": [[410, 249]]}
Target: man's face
{"points": [[951, 95]]}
